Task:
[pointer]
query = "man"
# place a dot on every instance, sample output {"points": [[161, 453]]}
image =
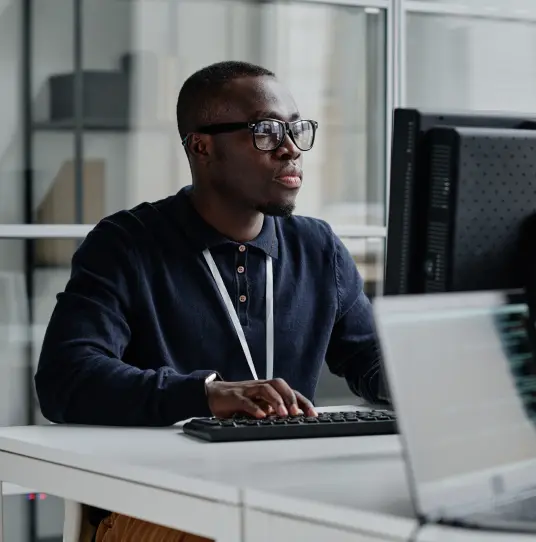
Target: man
{"points": [[165, 314]]}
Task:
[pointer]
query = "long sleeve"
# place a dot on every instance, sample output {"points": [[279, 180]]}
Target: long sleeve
{"points": [[353, 350], [81, 377]]}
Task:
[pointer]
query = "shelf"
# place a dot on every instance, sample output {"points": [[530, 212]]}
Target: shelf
{"points": [[95, 125], [101, 125]]}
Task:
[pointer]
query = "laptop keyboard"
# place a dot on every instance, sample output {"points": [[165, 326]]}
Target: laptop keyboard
{"points": [[328, 424]]}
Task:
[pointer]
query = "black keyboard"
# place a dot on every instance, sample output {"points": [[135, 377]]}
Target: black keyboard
{"points": [[329, 424]]}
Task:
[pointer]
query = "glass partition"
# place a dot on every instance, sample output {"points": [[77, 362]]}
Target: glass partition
{"points": [[100, 135], [459, 63], [106, 75]]}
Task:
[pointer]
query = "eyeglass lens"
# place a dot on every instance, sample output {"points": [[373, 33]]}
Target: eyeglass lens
{"points": [[269, 134]]}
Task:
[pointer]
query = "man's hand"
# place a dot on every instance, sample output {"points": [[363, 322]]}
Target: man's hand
{"points": [[257, 398]]}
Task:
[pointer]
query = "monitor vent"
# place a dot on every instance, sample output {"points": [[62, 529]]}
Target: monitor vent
{"points": [[440, 176], [436, 269], [406, 206]]}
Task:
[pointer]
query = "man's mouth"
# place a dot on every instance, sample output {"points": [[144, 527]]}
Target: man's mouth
{"points": [[291, 178], [290, 181]]}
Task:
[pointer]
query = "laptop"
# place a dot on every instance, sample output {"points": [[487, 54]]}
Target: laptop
{"points": [[462, 377]]}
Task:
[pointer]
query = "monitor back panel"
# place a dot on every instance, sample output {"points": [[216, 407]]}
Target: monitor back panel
{"points": [[409, 188], [483, 186]]}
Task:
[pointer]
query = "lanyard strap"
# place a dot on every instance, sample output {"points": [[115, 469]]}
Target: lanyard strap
{"points": [[234, 316]]}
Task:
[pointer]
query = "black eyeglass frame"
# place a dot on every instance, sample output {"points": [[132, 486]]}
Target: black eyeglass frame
{"points": [[227, 127]]}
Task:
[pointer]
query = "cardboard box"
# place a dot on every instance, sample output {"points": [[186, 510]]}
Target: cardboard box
{"points": [[59, 207]]}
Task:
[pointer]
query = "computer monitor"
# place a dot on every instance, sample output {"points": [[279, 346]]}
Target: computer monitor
{"points": [[410, 189], [412, 265]]}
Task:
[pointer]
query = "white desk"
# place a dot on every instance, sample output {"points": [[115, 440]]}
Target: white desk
{"points": [[343, 489], [352, 487], [153, 474], [359, 493]]}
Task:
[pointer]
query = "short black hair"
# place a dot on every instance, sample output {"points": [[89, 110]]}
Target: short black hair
{"points": [[200, 93]]}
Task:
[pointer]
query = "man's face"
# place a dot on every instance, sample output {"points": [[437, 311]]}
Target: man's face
{"points": [[267, 181]]}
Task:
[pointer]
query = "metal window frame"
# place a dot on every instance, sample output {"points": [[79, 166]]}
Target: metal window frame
{"points": [[79, 231]]}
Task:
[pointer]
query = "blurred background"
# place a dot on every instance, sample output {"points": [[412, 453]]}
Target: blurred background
{"points": [[87, 109]]}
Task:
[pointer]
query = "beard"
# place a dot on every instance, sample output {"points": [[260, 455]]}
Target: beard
{"points": [[270, 208], [283, 210]]}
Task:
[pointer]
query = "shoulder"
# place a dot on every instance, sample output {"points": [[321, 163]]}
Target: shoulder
{"points": [[127, 230], [308, 231], [133, 223], [319, 244]]}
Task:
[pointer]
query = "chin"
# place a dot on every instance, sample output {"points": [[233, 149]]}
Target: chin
{"points": [[282, 209]]}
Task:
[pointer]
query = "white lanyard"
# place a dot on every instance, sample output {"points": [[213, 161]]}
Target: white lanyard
{"points": [[234, 316]]}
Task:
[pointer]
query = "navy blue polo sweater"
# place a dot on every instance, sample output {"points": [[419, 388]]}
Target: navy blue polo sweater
{"points": [[141, 322]]}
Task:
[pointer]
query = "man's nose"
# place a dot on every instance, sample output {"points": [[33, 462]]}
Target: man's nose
{"points": [[288, 149]]}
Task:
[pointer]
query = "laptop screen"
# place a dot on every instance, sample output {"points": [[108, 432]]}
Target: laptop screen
{"points": [[461, 372]]}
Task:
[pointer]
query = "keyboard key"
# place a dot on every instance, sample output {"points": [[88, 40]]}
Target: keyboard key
{"points": [[227, 423], [211, 421]]}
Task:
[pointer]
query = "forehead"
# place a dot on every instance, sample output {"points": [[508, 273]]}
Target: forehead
{"points": [[256, 97]]}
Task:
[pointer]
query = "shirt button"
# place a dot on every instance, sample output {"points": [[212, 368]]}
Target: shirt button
{"points": [[242, 299], [242, 248], [240, 269]]}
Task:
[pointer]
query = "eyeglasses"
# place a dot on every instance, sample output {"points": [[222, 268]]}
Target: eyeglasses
{"points": [[269, 134]]}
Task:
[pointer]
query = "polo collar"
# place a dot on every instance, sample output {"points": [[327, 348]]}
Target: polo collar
{"points": [[203, 235]]}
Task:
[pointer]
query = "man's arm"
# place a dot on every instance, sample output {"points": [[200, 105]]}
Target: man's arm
{"points": [[80, 377], [353, 351]]}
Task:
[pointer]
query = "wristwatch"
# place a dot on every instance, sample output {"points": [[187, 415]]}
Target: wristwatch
{"points": [[210, 378]]}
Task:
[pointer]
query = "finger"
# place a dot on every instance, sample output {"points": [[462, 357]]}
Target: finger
{"points": [[250, 407], [306, 405], [266, 392], [265, 406], [288, 395]]}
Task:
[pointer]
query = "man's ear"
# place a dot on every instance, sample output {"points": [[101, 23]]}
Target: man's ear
{"points": [[200, 145]]}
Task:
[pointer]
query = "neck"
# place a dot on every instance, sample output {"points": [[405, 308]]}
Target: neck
{"points": [[232, 221]]}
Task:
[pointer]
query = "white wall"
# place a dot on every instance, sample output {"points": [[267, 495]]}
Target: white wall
{"points": [[471, 63]]}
